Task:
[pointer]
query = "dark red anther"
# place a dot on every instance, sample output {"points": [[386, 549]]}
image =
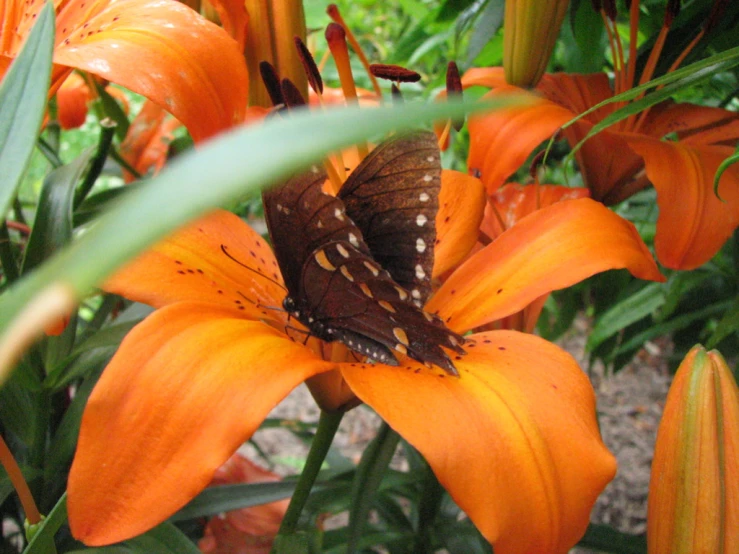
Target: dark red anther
{"points": [[609, 6], [394, 73], [271, 82], [454, 90], [717, 10], [334, 33], [291, 94], [309, 65], [671, 11]]}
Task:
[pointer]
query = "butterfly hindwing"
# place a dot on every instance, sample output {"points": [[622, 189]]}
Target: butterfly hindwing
{"points": [[393, 197]]}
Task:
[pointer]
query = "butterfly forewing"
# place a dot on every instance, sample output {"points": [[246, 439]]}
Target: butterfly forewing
{"points": [[392, 196]]}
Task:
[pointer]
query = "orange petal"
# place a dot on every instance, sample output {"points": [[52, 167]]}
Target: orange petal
{"points": [[578, 93], [500, 141], [186, 388], [147, 142], [461, 205], [513, 202], [71, 100], [514, 439], [491, 77], [234, 19], [693, 124], [607, 163], [191, 265], [162, 50], [550, 249], [693, 223]]}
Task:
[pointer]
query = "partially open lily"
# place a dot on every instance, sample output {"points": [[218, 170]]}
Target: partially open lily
{"points": [[505, 208], [513, 439], [694, 488], [693, 224], [160, 49]]}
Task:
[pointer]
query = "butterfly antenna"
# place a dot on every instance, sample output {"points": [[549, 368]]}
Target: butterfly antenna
{"points": [[224, 249]]}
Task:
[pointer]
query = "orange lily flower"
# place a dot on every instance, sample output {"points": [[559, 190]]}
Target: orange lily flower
{"points": [[248, 530], [505, 208], [140, 45], [147, 142], [197, 377], [693, 224], [73, 97]]}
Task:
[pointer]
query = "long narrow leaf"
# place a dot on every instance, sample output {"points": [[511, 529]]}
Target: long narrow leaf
{"points": [[225, 169], [22, 102]]}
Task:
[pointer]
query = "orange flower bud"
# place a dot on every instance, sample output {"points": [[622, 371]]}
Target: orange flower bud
{"points": [[530, 30], [694, 492]]}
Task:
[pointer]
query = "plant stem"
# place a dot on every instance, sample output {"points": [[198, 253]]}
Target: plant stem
{"points": [[327, 426]]}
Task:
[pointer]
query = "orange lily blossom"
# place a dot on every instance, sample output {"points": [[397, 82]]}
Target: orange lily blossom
{"points": [[504, 208], [513, 439], [693, 223], [160, 49]]}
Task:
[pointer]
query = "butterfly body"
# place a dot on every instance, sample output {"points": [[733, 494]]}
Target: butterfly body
{"points": [[329, 250]]}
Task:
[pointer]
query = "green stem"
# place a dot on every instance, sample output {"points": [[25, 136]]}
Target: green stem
{"points": [[327, 426]]}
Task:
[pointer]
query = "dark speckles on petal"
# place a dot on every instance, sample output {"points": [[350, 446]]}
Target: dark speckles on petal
{"points": [[181, 272], [501, 348], [499, 291]]}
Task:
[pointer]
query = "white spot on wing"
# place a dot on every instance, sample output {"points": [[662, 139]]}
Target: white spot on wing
{"points": [[421, 220], [420, 274], [427, 178], [420, 248], [424, 197]]}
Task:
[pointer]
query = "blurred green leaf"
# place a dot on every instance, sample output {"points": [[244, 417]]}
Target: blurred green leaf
{"points": [[22, 104], [224, 498], [608, 539], [673, 324], [729, 324], [163, 539], [231, 166], [370, 471], [584, 38], [486, 26], [626, 312]]}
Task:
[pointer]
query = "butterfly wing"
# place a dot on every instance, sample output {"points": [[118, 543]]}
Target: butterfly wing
{"points": [[339, 291], [393, 197]]}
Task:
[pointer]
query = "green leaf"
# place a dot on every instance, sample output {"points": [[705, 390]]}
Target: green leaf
{"points": [[163, 539], [223, 170], [52, 228], [606, 538], [734, 158], [672, 325], [729, 324], [224, 498], [99, 347], [22, 104], [487, 25], [626, 312]]}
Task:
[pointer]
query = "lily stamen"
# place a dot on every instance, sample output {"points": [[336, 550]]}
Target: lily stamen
{"points": [[336, 38], [333, 13]]}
